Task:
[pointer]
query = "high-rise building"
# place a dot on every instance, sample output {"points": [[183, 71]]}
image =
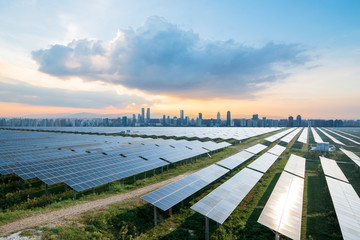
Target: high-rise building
{"points": [[228, 119], [291, 121], [142, 115], [200, 116], [124, 121], [133, 120], [148, 116], [298, 120], [181, 117], [255, 117], [218, 119]]}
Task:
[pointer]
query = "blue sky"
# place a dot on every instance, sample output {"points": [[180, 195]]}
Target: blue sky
{"points": [[204, 56]]}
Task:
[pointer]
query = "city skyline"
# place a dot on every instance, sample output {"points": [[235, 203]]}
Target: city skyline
{"points": [[116, 57]]}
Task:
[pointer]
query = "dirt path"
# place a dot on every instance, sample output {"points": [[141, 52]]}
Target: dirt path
{"points": [[45, 218]]}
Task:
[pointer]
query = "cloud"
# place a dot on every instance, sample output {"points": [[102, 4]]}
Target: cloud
{"points": [[20, 92], [161, 58]]}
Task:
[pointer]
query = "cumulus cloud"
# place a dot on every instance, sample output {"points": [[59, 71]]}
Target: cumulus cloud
{"points": [[20, 92], [162, 58]]}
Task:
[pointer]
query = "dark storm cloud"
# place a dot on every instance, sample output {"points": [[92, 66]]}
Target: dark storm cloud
{"points": [[162, 58], [20, 92]]}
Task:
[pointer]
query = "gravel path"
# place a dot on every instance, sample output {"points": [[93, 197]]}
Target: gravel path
{"points": [[45, 218]]}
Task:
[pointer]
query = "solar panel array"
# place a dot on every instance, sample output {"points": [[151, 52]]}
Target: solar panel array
{"points": [[283, 211], [343, 132], [241, 157], [78, 160], [220, 203], [173, 193], [331, 137], [349, 139], [316, 136], [347, 207], [279, 135], [331, 169], [238, 133], [304, 135], [291, 135], [352, 156]]}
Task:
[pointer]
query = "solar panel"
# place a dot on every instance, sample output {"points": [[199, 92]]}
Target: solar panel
{"points": [[296, 165], [283, 211], [220, 203], [279, 135], [256, 148], [235, 160], [331, 169], [173, 193], [304, 135], [277, 150], [349, 139], [316, 136], [264, 162], [290, 136], [347, 207], [352, 156], [331, 137]]}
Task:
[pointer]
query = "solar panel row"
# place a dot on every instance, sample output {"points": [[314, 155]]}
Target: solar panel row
{"points": [[283, 211], [331, 137], [316, 136], [173, 193], [304, 135], [279, 135], [291, 135], [349, 139]]}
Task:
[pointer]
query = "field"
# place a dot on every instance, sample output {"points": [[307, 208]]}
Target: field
{"points": [[133, 219]]}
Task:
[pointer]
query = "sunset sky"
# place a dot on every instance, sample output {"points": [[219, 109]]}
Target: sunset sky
{"points": [[274, 58]]}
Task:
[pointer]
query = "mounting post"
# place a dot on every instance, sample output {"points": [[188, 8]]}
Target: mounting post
{"points": [[46, 189], [74, 195], [170, 212], [206, 228], [155, 216]]}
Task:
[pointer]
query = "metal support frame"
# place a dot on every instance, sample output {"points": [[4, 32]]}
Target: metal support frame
{"points": [[22, 184], [182, 203], [93, 190], [167, 167], [74, 195], [162, 169], [144, 174], [134, 179], [277, 236], [154, 172], [206, 228], [170, 211], [122, 182], [46, 190], [2, 178], [155, 216]]}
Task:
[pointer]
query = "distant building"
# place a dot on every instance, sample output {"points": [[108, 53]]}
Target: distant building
{"points": [[142, 115], [298, 120], [228, 119], [181, 117], [291, 121], [218, 119], [124, 121], [255, 117], [148, 116]]}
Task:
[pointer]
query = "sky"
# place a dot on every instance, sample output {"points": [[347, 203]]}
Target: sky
{"points": [[273, 58]]}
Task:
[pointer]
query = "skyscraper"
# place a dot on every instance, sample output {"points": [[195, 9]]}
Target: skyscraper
{"points": [[200, 116], [181, 117], [228, 119], [142, 115], [218, 119], [291, 121], [148, 116], [298, 120]]}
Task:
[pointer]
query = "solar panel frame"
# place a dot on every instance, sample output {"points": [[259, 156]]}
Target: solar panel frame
{"points": [[296, 165]]}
